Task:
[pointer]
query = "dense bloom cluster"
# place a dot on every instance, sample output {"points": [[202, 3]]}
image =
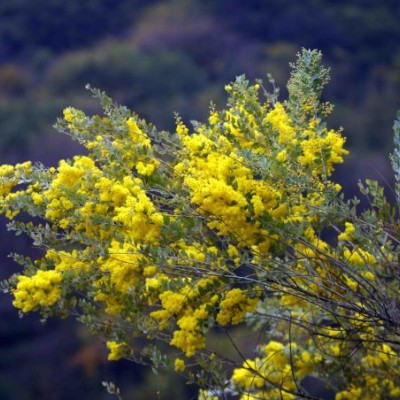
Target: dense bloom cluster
{"points": [[42, 289], [229, 226]]}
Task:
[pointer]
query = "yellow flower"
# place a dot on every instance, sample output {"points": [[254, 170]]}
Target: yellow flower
{"points": [[37, 198], [249, 376], [206, 395], [348, 234], [213, 119], [68, 114], [369, 276], [188, 341], [179, 365], [352, 393], [282, 123], [182, 130], [281, 156], [42, 289], [359, 257], [146, 169], [235, 306], [116, 350]]}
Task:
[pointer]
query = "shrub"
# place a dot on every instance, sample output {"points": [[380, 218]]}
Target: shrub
{"points": [[178, 237]]}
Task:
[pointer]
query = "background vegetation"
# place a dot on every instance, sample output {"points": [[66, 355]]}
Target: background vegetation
{"points": [[157, 58]]}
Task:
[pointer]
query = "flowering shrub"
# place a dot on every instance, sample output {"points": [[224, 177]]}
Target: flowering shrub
{"points": [[180, 237]]}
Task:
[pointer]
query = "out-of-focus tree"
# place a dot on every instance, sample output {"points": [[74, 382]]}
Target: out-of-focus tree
{"points": [[55, 26]]}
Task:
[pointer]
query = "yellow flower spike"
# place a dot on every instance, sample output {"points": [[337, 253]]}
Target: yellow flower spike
{"points": [[282, 123], [182, 130]]}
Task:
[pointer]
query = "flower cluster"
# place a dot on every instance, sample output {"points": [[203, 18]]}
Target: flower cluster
{"points": [[42, 289]]}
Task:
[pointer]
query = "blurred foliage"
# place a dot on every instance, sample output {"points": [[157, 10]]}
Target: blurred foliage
{"points": [[14, 80], [367, 29], [56, 25], [154, 83]]}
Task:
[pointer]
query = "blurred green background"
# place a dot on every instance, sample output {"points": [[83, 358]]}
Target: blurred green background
{"points": [[161, 57]]}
